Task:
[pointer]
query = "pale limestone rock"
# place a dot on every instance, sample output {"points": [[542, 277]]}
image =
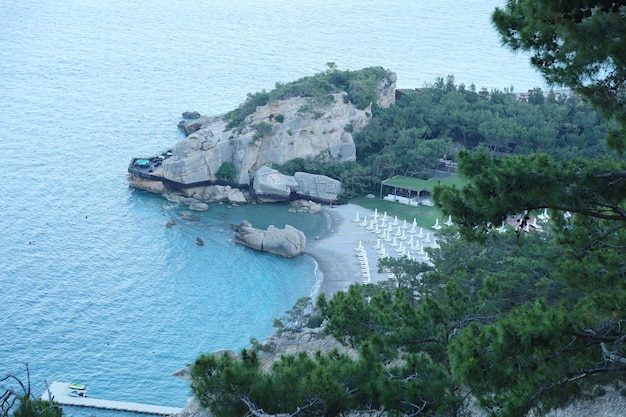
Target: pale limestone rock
{"points": [[288, 242], [156, 187], [325, 131], [188, 200], [269, 184], [236, 196], [318, 187], [265, 139], [306, 206], [198, 206], [387, 90]]}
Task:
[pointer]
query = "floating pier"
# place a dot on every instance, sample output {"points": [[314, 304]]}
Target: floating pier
{"points": [[60, 392]]}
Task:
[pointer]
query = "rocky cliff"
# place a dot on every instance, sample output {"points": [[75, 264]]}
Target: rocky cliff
{"points": [[275, 133], [265, 140]]}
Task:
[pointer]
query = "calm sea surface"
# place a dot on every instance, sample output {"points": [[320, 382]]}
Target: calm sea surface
{"points": [[94, 287]]}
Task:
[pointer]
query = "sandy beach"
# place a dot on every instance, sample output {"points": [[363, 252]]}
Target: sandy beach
{"points": [[336, 249]]}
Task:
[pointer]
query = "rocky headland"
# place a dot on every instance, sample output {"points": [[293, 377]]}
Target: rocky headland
{"points": [[272, 135]]}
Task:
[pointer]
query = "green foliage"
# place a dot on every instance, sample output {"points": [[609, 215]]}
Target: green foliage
{"points": [[408, 276], [324, 385], [509, 185], [226, 172], [298, 315], [559, 329], [361, 88], [27, 404], [218, 381], [29, 407], [314, 321], [497, 119], [263, 128], [520, 320], [410, 137], [577, 44], [237, 117]]}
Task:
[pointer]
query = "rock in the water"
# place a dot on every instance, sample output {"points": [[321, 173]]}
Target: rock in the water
{"points": [[288, 242], [191, 115], [186, 215], [198, 206], [307, 206], [236, 196], [193, 124], [170, 223], [199, 241]]}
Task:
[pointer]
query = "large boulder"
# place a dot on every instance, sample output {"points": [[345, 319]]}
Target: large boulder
{"points": [[288, 242], [271, 185], [317, 187], [235, 196]]}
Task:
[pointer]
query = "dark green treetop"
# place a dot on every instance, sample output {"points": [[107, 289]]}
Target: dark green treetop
{"points": [[579, 44]]}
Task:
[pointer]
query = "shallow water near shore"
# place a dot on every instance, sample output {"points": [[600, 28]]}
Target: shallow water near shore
{"points": [[95, 288]]}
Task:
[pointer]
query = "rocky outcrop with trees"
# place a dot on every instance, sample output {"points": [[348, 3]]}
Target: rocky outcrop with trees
{"points": [[312, 118]]}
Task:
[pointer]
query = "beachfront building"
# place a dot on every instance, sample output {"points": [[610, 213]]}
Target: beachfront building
{"points": [[414, 191]]}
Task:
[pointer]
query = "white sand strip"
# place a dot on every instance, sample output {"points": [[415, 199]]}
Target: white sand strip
{"points": [[336, 254]]}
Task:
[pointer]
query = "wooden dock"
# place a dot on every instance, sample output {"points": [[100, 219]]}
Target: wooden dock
{"points": [[60, 392]]}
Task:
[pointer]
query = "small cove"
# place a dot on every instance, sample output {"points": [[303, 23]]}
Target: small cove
{"points": [[95, 288]]}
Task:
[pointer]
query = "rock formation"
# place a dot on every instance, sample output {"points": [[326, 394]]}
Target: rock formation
{"points": [[270, 185], [275, 133], [265, 140], [317, 187], [305, 206], [288, 242]]}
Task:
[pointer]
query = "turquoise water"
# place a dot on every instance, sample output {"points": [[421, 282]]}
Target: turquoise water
{"points": [[94, 287]]}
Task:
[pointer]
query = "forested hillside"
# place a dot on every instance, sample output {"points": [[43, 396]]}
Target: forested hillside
{"points": [[435, 122]]}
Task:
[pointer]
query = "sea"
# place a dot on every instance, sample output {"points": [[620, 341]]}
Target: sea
{"points": [[94, 287]]}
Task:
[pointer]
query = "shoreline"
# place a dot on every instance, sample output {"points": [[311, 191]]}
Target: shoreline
{"points": [[335, 250]]}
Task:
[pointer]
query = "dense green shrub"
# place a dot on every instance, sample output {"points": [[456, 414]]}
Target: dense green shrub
{"points": [[226, 172], [263, 128]]}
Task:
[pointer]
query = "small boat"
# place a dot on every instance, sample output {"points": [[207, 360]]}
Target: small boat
{"points": [[75, 393], [78, 387]]}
